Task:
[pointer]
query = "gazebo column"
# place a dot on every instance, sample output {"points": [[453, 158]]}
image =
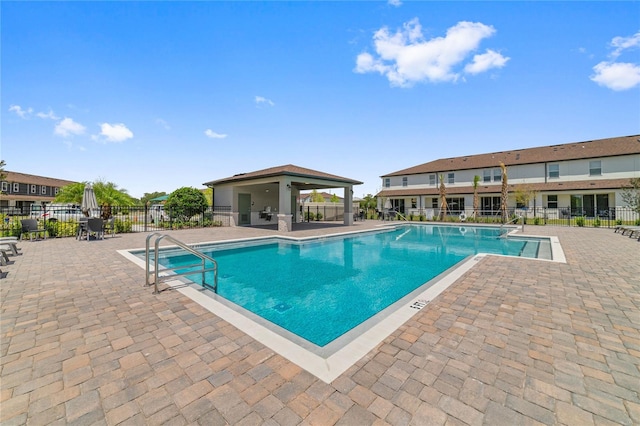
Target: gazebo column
{"points": [[284, 206], [348, 205]]}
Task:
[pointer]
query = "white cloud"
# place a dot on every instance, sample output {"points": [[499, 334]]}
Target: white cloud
{"points": [[396, 3], [405, 57], [623, 43], [485, 61], [615, 75], [213, 135], [115, 132], [261, 100], [50, 115], [67, 127], [163, 123], [22, 113]]}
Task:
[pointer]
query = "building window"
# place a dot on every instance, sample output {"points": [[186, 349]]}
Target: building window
{"points": [[33, 189], [43, 190], [595, 168], [387, 182], [455, 205], [497, 175], [432, 180], [434, 203], [486, 175], [451, 178], [414, 203], [16, 187], [552, 201], [489, 205], [554, 170], [405, 181], [5, 186]]}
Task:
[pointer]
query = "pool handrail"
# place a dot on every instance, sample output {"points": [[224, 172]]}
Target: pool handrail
{"points": [[514, 220], [156, 269]]}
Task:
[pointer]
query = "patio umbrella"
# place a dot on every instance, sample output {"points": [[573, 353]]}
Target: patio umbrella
{"points": [[89, 203]]}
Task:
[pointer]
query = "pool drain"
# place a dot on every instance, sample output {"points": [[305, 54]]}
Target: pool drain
{"points": [[281, 307]]}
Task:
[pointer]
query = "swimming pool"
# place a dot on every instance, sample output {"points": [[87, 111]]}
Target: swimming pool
{"points": [[319, 289]]}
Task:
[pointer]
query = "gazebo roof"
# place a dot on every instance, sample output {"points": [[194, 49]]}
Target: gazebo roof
{"points": [[286, 170]]}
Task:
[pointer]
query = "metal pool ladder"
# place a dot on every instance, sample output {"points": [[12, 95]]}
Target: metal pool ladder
{"points": [[202, 264], [514, 220]]}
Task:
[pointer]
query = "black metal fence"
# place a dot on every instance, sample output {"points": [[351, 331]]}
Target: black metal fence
{"points": [[567, 216], [64, 222], [326, 213]]}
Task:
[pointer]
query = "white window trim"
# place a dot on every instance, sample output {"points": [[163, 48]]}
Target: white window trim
{"points": [[16, 187], [599, 169]]}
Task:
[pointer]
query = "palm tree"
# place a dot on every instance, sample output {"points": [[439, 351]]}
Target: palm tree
{"points": [[505, 192], [443, 198], [476, 200]]}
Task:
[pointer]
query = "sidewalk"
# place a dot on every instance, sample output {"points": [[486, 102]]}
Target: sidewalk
{"points": [[514, 341]]}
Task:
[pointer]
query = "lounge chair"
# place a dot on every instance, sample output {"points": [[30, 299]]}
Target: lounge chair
{"points": [[11, 246], [4, 258], [630, 230], [30, 226]]}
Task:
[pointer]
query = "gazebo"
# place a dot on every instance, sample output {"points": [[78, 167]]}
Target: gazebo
{"points": [[264, 196]]}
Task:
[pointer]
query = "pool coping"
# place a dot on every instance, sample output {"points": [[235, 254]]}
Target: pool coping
{"points": [[329, 364]]}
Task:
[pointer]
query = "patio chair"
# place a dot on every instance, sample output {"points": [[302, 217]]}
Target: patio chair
{"points": [[109, 226], [82, 227], [95, 226], [30, 226]]}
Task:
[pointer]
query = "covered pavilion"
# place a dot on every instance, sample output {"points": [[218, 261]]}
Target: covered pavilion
{"points": [[264, 196]]}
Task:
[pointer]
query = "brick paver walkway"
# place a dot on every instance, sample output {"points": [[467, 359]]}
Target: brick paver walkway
{"points": [[512, 342]]}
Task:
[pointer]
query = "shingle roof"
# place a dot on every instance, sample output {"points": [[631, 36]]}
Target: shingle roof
{"points": [[287, 170], [35, 180], [485, 189], [624, 145]]}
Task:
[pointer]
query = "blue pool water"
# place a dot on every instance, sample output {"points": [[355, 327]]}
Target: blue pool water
{"points": [[322, 288]]}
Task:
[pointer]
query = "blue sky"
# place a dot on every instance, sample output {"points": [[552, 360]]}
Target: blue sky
{"points": [[154, 96]]}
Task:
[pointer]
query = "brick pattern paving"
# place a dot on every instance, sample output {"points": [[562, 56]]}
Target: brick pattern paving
{"points": [[511, 342]]}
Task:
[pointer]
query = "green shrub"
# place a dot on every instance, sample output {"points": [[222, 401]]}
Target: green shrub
{"points": [[319, 216], [618, 222], [596, 222], [123, 226], [580, 221], [637, 222], [536, 221], [309, 216], [422, 218]]}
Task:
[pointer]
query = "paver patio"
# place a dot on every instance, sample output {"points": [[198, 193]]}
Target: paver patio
{"points": [[514, 341]]}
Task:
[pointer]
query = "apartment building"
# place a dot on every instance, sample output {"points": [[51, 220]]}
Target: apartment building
{"points": [[580, 178], [21, 190]]}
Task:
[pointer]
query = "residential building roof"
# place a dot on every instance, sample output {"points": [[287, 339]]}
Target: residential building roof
{"points": [[624, 145], [286, 170], [35, 180]]}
